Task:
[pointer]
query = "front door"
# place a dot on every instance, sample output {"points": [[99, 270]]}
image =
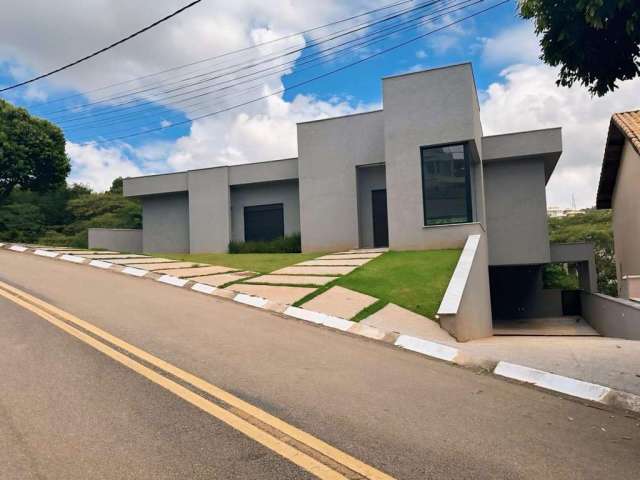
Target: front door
{"points": [[380, 224]]}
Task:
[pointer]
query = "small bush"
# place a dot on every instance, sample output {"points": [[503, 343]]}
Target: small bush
{"points": [[290, 244]]}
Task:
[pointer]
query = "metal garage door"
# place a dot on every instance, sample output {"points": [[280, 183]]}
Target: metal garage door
{"points": [[263, 222]]}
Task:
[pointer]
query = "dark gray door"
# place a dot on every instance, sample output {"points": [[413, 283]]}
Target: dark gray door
{"points": [[263, 222], [380, 223]]}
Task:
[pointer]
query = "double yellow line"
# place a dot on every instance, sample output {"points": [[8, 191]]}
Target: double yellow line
{"points": [[293, 444]]}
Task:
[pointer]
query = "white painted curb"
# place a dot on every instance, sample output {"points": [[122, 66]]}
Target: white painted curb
{"points": [[426, 347], [337, 323], [551, 381], [46, 253], [302, 314], [171, 280], [202, 288], [100, 264], [72, 258], [136, 272], [18, 248], [250, 300]]}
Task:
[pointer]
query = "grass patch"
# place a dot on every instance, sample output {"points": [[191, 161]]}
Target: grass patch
{"points": [[370, 310], [290, 244], [415, 280], [256, 262]]}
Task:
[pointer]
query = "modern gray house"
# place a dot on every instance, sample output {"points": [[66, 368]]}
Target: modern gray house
{"points": [[418, 174]]}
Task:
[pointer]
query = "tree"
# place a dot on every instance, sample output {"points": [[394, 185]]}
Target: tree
{"points": [[590, 226], [32, 153], [596, 42], [117, 186]]}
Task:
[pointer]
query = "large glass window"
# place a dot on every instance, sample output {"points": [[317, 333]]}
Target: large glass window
{"points": [[446, 186]]}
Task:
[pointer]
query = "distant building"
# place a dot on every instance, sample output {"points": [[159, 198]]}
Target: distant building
{"points": [[556, 212]]}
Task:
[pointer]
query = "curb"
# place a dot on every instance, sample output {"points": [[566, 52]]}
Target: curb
{"points": [[541, 379]]}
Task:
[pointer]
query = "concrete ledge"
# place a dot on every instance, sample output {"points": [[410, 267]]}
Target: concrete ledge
{"points": [[45, 253], [426, 347], [258, 302], [136, 272], [171, 280], [202, 288], [72, 258], [453, 295], [18, 248]]}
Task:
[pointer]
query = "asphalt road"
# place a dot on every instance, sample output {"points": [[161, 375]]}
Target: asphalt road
{"points": [[68, 411]]}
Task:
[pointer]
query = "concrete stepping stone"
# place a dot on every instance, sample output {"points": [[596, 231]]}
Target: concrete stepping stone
{"points": [[351, 256], [198, 271], [279, 294], [295, 270], [139, 261], [363, 250], [340, 302], [221, 278], [168, 266], [104, 256], [393, 318], [292, 279], [356, 262]]}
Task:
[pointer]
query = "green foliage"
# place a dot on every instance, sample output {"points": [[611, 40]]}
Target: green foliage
{"points": [[554, 275], [590, 226], [62, 216], [596, 42], [32, 153], [290, 244]]}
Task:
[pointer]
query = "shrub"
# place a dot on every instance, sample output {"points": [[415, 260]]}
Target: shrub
{"points": [[290, 244]]}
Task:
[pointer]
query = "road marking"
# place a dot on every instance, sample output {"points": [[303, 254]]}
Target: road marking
{"points": [[59, 318]]}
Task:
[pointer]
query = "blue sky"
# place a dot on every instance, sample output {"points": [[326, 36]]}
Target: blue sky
{"points": [[516, 91]]}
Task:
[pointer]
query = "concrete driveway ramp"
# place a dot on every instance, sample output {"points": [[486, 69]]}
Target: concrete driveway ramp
{"points": [[295, 270], [292, 279], [393, 318], [340, 302], [279, 294]]}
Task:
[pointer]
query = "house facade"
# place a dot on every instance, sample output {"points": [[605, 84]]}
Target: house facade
{"points": [[417, 175], [619, 189]]}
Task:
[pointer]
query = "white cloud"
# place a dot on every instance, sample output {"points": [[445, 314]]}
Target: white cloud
{"points": [[97, 167], [517, 44], [528, 98]]}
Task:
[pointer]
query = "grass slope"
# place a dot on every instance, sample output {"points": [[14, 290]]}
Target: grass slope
{"points": [[257, 262], [414, 280]]}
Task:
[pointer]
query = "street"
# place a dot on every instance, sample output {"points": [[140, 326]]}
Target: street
{"points": [[70, 409]]}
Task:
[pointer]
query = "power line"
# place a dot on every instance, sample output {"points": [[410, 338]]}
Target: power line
{"points": [[232, 52], [102, 50], [302, 83], [118, 117], [306, 59], [244, 66]]}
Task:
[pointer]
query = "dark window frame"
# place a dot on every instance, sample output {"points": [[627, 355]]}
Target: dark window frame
{"points": [[468, 194]]}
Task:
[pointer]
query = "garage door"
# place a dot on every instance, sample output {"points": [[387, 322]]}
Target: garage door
{"points": [[263, 222]]}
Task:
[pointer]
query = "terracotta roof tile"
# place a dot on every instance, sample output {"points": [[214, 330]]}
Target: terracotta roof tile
{"points": [[629, 123]]}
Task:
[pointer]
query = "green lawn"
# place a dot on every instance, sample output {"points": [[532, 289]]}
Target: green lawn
{"points": [[256, 262], [414, 280]]}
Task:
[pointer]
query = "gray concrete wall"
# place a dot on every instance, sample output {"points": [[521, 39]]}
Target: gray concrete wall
{"points": [[117, 239], [426, 108], [328, 153], [285, 192], [612, 317], [516, 212], [155, 184], [473, 317], [275, 170], [209, 210], [626, 216], [165, 223], [369, 178]]}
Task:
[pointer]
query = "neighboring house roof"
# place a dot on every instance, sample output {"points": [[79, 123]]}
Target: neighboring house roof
{"points": [[623, 127]]}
